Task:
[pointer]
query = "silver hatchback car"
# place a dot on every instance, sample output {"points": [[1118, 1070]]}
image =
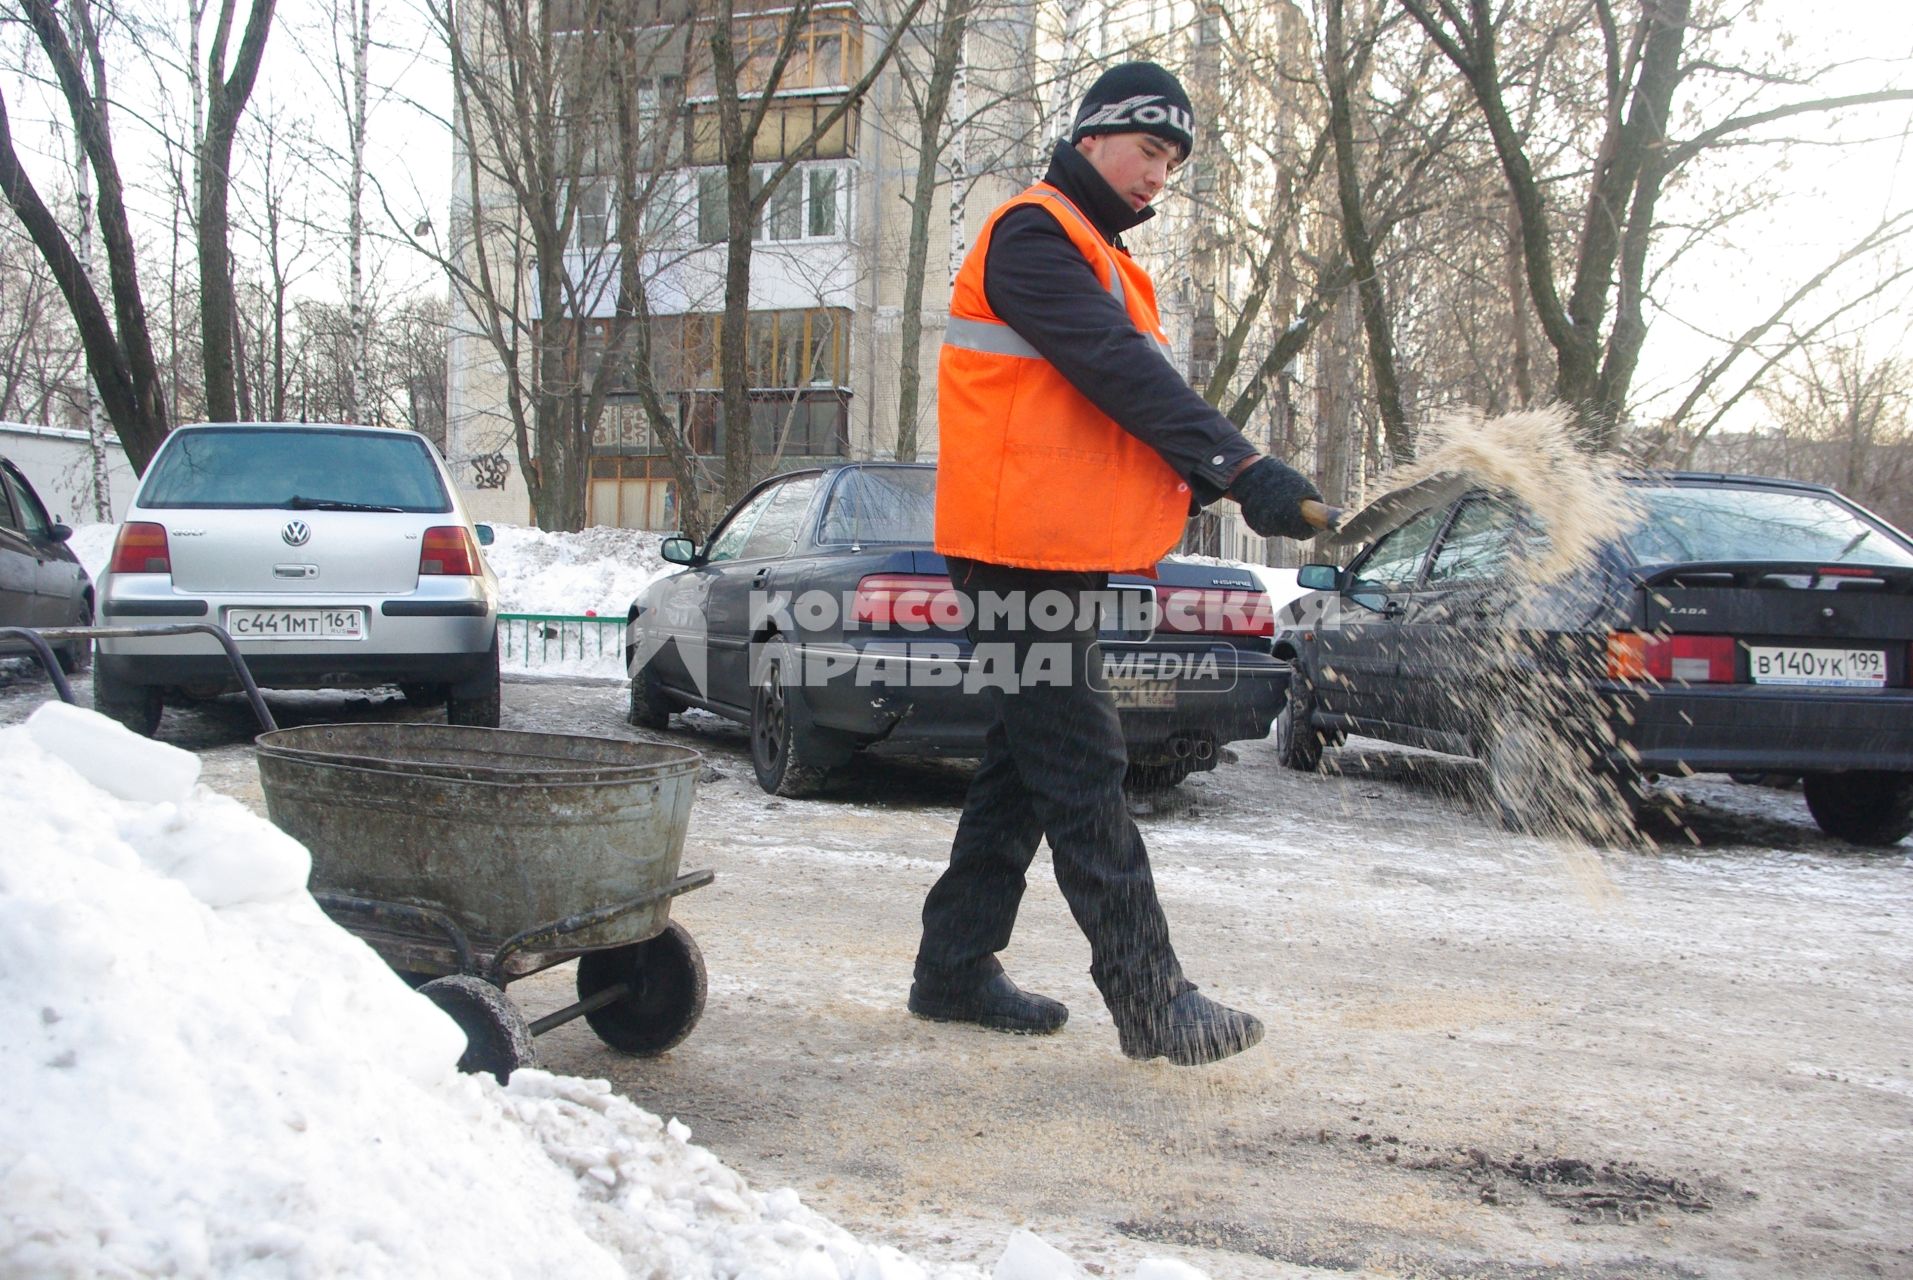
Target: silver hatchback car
{"points": [[337, 556]]}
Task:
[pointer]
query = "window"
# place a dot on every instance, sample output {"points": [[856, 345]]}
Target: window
{"points": [[880, 504], [32, 517], [787, 349], [822, 202], [252, 467], [728, 543], [776, 529], [805, 206], [1476, 544], [827, 53], [593, 219], [786, 126], [713, 207], [1392, 562], [798, 363], [1689, 522]]}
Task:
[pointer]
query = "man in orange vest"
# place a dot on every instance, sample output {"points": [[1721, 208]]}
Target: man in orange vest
{"points": [[1070, 449]]}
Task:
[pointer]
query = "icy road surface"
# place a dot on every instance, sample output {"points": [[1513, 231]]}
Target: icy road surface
{"points": [[1487, 1055]]}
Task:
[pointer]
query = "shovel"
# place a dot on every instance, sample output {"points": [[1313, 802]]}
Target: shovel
{"points": [[1394, 507]]}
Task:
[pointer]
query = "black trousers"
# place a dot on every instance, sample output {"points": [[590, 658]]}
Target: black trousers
{"points": [[1052, 767]]}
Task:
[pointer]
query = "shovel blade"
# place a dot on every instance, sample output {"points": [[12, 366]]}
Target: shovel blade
{"points": [[1397, 505]]}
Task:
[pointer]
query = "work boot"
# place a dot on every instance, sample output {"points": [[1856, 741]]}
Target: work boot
{"points": [[1189, 1030], [996, 1003]]}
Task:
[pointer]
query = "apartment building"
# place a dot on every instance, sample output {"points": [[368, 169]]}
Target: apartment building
{"points": [[827, 289]]}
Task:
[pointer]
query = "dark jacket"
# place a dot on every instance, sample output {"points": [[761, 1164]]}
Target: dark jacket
{"points": [[1040, 286]]}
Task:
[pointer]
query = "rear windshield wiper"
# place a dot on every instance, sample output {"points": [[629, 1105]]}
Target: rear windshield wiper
{"points": [[297, 503], [1854, 545]]}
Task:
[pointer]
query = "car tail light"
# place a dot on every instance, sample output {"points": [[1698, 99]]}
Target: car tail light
{"points": [[1636, 655], [141, 548], [448, 549], [1208, 611], [915, 601]]}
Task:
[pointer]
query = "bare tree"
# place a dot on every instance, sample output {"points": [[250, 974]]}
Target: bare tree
{"points": [[1590, 302], [932, 111], [1357, 238], [1839, 416], [547, 229], [414, 357], [747, 106], [226, 102], [119, 348], [41, 364], [275, 216]]}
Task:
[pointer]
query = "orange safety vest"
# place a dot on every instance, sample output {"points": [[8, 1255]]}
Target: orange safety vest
{"points": [[1029, 472]]}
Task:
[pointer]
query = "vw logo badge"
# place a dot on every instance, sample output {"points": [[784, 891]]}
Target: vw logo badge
{"points": [[296, 533]]}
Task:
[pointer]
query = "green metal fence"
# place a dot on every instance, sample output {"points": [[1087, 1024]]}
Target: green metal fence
{"points": [[533, 640]]}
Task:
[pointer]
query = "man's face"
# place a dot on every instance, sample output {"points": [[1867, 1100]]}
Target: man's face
{"points": [[1135, 165]]}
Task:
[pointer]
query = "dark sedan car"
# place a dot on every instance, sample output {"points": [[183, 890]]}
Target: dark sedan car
{"points": [[1743, 625], [42, 583], [818, 615]]}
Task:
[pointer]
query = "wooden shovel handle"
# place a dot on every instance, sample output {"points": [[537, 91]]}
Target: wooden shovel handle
{"points": [[1320, 514]]}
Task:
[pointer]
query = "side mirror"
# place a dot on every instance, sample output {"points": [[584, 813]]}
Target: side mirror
{"points": [[678, 550], [485, 535], [1317, 577], [59, 532]]}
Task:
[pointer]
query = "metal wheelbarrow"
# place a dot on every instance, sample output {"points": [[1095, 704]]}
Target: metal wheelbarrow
{"points": [[469, 858]]}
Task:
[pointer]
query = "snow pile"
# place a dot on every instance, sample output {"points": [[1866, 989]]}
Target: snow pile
{"points": [[204, 1076], [93, 544], [598, 570]]}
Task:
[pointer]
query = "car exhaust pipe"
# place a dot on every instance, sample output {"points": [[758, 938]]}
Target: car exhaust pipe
{"points": [[1204, 749], [1181, 748]]}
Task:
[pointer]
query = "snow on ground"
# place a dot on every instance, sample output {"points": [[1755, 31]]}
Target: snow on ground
{"points": [[205, 1077]]}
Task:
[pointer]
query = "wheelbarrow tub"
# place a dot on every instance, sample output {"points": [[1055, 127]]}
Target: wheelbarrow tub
{"points": [[501, 830]]}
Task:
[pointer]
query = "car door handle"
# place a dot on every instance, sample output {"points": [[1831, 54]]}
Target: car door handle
{"points": [[759, 578], [1391, 609]]}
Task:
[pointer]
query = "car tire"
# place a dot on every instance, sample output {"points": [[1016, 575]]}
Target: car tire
{"points": [[1864, 806], [481, 710], [1298, 743], [77, 657], [137, 706], [1157, 777], [790, 756], [650, 707]]}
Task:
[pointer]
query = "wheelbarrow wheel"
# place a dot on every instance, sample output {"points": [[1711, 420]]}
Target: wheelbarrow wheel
{"points": [[666, 977], [497, 1037]]}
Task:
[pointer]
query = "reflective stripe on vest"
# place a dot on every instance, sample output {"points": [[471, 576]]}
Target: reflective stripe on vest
{"points": [[997, 339]]}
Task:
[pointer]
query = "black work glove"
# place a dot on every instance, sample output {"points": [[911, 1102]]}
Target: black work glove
{"points": [[1271, 494]]}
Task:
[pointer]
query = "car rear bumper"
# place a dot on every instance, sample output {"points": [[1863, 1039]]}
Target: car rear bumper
{"points": [[442, 633], [1743, 728], [206, 673], [926, 700]]}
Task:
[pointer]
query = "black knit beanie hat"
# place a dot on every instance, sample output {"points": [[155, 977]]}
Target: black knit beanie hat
{"points": [[1137, 97]]}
